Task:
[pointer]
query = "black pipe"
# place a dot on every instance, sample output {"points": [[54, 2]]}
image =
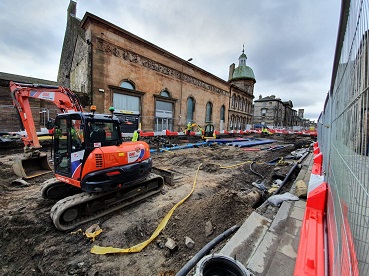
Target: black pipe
{"points": [[286, 178], [290, 172], [258, 174], [195, 259]]}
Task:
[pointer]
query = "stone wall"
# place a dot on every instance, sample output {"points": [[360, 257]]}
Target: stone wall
{"points": [[73, 31], [118, 55]]}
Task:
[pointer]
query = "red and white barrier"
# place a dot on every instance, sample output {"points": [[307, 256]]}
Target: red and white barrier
{"points": [[311, 256]]}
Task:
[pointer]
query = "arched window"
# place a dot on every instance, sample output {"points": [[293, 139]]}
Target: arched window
{"points": [[233, 100], [209, 112], [127, 85], [190, 109], [233, 122], [222, 113]]}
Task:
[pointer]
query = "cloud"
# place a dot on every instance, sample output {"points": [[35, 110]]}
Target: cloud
{"points": [[289, 44], [32, 37]]}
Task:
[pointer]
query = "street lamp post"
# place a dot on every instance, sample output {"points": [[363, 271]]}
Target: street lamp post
{"points": [[180, 102]]}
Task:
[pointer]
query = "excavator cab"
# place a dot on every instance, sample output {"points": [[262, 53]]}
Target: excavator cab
{"points": [[209, 132], [76, 135]]}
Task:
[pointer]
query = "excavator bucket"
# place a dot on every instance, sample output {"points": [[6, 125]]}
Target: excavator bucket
{"points": [[31, 167]]}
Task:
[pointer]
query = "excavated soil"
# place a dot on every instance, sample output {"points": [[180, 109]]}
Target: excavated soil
{"points": [[30, 245]]}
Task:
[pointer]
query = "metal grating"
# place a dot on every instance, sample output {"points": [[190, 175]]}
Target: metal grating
{"points": [[99, 160], [343, 139]]}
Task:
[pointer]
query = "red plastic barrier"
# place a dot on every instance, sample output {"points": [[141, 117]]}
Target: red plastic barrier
{"points": [[313, 133], [147, 134], [317, 166], [311, 253], [315, 145], [171, 133]]}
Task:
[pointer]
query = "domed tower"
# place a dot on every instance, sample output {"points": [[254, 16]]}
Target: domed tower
{"points": [[242, 81], [242, 76]]}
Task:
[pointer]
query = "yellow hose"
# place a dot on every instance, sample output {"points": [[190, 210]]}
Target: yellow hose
{"points": [[137, 248], [236, 165]]}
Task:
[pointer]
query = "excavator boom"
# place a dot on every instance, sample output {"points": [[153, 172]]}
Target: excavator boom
{"points": [[34, 162]]}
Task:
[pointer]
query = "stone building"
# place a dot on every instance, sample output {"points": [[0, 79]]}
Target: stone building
{"points": [[290, 115], [274, 113], [269, 111], [242, 81], [148, 86]]}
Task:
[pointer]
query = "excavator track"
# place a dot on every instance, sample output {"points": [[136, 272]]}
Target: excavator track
{"points": [[72, 211], [55, 189]]}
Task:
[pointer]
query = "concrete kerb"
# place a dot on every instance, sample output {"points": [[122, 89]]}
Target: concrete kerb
{"points": [[265, 246]]}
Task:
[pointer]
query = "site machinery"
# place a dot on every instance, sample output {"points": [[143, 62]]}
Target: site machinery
{"points": [[95, 172]]}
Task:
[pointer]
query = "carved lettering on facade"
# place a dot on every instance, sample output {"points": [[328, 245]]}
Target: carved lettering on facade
{"points": [[110, 49]]}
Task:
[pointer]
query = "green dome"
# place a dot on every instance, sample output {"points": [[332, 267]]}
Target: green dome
{"points": [[243, 55], [243, 71]]}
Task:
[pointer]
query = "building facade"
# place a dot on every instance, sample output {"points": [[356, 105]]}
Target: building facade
{"points": [[272, 112], [269, 111], [148, 86], [242, 81]]}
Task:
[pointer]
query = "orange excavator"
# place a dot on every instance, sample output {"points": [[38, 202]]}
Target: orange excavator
{"points": [[95, 172]]}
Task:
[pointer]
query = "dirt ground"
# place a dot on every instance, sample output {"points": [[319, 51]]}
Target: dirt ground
{"points": [[30, 244]]}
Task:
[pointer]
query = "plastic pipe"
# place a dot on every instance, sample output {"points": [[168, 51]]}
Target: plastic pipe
{"points": [[286, 178], [195, 259]]}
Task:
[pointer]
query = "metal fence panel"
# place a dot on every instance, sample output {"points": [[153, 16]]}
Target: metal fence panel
{"points": [[343, 139]]}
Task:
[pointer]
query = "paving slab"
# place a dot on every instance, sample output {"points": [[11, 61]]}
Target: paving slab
{"points": [[269, 247], [245, 241], [264, 254]]}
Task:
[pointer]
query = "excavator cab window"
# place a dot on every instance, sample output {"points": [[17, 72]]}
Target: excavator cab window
{"points": [[69, 143], [103, 133], [61, 156]]}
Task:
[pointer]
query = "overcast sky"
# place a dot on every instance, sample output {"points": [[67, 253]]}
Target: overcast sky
{"points": [[289, 44]]}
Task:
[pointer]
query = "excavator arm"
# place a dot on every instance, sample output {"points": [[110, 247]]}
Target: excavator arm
{"points": [[63, 98], [34, 163]]}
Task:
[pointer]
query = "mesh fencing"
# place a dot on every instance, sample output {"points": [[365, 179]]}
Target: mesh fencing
{"points": [[343, 139]]}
